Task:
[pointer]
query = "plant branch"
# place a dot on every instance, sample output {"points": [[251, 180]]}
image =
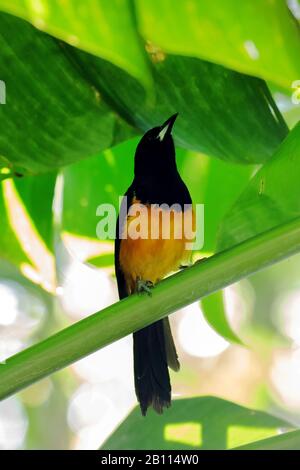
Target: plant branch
{"points": [[135, 312]]}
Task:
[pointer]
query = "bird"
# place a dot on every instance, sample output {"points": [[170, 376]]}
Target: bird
{"points": [[142, 261]]}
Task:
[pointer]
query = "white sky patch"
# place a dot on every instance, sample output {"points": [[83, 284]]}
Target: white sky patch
{"points": [[85, 290], [59, 291], [8, 347], [88, 406], [288, 315], [251, 49], [283, 102], [13, 424], [9, 306], [94, 412], [109, 363], [196, 335], [285, 377]]}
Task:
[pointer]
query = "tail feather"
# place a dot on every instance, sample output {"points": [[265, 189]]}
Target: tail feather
{"points": [[172, 358], [152, 380]]}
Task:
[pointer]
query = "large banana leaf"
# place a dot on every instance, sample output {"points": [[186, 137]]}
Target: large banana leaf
{"points": [[101, 27], [271, 198], [195, 423], [239, 35], [258, 37], [221, 112], [52, 116], [81, 104]]}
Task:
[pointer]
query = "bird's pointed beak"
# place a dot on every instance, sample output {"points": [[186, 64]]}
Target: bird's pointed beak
{"points": [[167, 126]]}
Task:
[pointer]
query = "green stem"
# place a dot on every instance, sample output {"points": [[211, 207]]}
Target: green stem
{"points": [[135, 312]]}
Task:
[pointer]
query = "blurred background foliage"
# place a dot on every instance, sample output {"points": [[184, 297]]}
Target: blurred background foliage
{"points": [[84, 79]]}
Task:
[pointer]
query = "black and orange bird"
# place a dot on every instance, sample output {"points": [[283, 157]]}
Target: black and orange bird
{"points": [[140, 262]]}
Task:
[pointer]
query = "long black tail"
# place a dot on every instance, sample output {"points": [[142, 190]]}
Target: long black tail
{"points": [[154, 350]]}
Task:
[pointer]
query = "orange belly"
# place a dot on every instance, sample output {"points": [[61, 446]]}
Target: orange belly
{"points": [[160, 248]]}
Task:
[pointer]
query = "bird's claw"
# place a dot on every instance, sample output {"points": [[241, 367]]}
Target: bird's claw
{"points": [[144, 286]]}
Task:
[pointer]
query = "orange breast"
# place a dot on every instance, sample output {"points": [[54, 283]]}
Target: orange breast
{"points": [[155, 244]]}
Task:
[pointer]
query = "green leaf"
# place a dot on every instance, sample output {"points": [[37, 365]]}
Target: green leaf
{"points": [[98, 180], [106, 29], [37, 195], [102, 261], [10, 247], [213, 309], [214, 183], [194, 423], [26, 220], [75, 111], [26, 235], [286, 441], [271, 198], [192, 28], [211, 101], [239, 35], [52, 116]]}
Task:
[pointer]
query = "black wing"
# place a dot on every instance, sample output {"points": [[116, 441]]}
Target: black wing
{"points": [[119, 227]]}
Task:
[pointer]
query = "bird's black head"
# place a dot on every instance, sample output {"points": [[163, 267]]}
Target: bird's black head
{"points": [[155, 153]]}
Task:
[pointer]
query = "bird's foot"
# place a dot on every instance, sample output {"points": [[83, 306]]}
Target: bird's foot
{"points": [[144, 286]]}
